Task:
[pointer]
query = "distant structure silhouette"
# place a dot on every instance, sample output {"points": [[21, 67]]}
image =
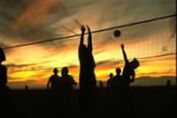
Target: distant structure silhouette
{"points": [[3, 69], [87, 64], [54, 80], [128, 75], [26, 87], [168, 83], [67, 80]]}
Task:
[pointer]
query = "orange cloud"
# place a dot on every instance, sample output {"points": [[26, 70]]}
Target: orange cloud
{"points": [[35, 13]]}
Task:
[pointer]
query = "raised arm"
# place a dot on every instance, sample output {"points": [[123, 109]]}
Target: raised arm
{"points": [[89, 39], [124, 53], [82, 35]]}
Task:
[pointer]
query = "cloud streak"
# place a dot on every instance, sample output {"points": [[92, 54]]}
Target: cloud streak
{"points": [[35, 13]]}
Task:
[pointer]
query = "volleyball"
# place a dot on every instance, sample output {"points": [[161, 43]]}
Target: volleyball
{"points": [[117, 33]]}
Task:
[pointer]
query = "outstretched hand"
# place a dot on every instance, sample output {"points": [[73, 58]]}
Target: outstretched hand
{"points": [[122, 46], [88, 28], [83, 28]]}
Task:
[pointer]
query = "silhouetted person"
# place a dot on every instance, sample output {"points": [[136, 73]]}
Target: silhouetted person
{"points": [[3, 69], [101, 84], [110, 80], [115, 81], [118, 71], [67, 79], [87, 64], [128, 75], [7, 108], [87, 79], [118, 78], [65, 96], [54, 80]]}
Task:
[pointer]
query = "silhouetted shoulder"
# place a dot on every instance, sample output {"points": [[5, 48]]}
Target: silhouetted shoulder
{"points": [[3, 74], [2, 55]]}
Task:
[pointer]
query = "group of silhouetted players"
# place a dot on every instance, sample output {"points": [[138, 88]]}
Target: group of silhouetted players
{"points": [[87, 79], [65, 82]]}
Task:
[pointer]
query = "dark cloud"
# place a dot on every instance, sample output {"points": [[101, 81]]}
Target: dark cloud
{"points": [[32, 19], [9, 11], [109, 62], [27, 67], [20, 19], [73, 66], [154, 81], [171, 70], [3, 45], [20, 66]]}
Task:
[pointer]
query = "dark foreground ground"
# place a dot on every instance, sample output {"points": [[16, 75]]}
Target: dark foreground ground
{"points": [[139, 102]]}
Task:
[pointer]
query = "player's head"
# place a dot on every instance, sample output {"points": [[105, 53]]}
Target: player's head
{"points": [[118, 70], [55, 71], [111, 75], [64, 71], [135, 63]]}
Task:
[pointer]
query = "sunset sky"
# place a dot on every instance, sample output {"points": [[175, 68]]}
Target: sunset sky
{"points": [[26, 21]]}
